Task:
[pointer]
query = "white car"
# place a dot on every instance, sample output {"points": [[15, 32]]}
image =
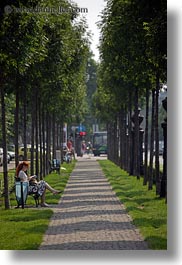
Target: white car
{"points": [[11, 155], [1, 157], [11, 151]]}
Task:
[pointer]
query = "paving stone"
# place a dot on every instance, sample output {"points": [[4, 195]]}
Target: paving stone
{"points": [[89, 215]]}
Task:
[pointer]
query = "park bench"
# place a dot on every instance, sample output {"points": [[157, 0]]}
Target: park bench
{"points": [[67, 157], [21, 192], [55, 165]]}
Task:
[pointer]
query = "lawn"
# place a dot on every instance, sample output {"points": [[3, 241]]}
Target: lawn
{"points": [[148, 211], [23, 229]]}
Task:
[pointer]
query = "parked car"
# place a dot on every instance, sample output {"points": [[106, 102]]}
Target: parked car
{"points": [[1, 157], [8, 158], [11, 154], [21, 152], [11, 151]]}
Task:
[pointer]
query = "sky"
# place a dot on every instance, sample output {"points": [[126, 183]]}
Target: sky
{"points": [[94, 9]]}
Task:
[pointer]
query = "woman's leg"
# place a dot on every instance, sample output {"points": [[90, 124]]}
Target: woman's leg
{"points": [[51, 189], [43, 197], [43, 204]]}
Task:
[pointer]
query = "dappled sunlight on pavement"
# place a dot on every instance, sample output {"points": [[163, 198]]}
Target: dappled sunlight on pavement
{"points": [[89, 215]]}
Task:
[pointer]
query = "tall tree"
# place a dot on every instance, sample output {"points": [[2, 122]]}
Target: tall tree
{"points": [[132, 55]]}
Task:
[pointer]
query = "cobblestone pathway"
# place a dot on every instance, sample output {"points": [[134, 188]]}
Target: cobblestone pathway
{"points": [[90, 216]]}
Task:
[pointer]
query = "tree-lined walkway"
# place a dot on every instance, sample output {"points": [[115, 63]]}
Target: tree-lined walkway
{"points": [[90, 216]]}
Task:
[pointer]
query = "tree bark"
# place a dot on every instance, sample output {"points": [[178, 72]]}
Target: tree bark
{"points": [[136, 138], [115, 142], [145, 179], [36, 136], [125, 141], [130, 136], [25, 124], [157, 169], [48, 141], [17, 123], [40, 139], [150, 184], [5, 168], [120, 139], [32, 133], [43, 143], [53, 136]]}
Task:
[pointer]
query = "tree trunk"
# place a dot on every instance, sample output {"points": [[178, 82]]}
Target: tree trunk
{"points": [[163, 191], [53, 136], [125, 141], [36, 137], [25, 124], [136, 138], [108, 141], [150, 185], [120, 139], [17, 124], [62, 140], [48, 141], [40, 139], [32, 134], [43, 143], [115, 142], [157, 170], [130, 136], [5, 168], [112, 141], [57, 136], [145, 179]]}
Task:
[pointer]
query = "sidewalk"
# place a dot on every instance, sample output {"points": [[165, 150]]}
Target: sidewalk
{"points": [[90, 216]]}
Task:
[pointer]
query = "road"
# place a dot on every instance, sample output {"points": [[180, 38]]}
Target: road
{"points": [[11, 165]]}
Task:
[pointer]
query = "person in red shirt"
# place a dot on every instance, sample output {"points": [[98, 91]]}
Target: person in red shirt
{"points": [[69, 145]]}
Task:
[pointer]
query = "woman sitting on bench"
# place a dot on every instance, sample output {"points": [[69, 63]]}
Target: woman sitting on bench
{"points": [[34, 185]]}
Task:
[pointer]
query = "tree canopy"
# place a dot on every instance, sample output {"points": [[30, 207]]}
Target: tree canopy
{"points": [[132, 50]]}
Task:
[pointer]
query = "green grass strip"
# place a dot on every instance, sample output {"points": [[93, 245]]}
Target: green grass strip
{"points": [[148, 211], [23, 229]]}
